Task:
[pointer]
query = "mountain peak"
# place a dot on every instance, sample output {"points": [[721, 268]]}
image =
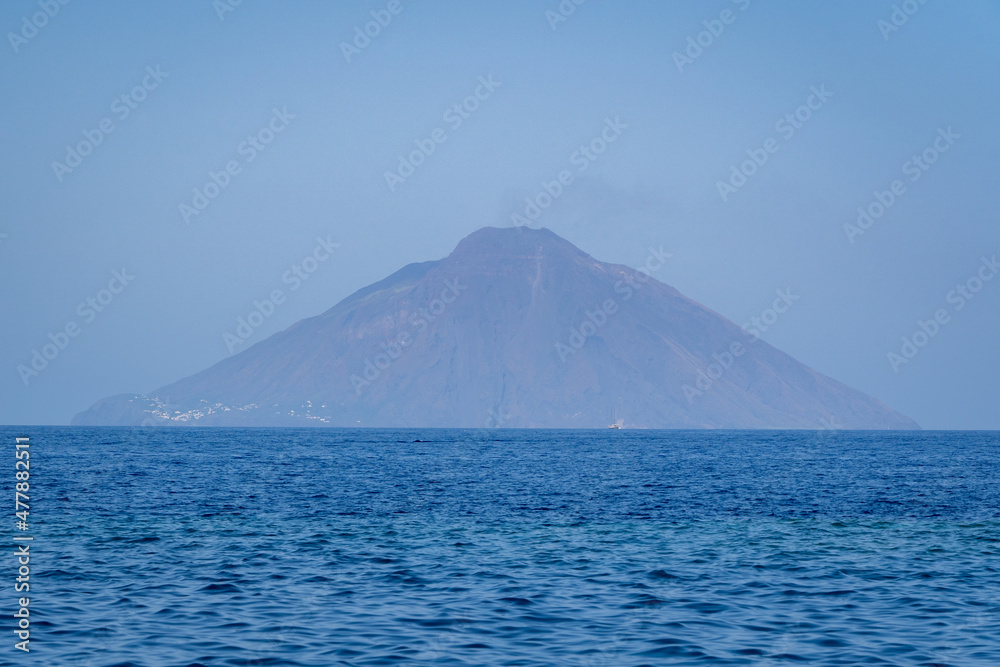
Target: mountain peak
{"points": [[513, 242]]}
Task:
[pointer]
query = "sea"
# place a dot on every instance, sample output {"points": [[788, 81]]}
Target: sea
{"points": [[292, 547]]}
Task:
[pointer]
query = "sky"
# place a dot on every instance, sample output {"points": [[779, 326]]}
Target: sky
{"points": [[166, 165]]}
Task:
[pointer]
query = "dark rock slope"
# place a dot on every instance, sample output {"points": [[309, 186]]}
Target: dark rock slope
{"points": [[515, 328]]}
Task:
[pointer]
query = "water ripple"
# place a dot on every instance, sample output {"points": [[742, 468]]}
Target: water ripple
{"points": [[182, 548]]}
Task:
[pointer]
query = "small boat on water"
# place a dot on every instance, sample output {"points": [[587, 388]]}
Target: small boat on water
{"points": [[614, 425]]}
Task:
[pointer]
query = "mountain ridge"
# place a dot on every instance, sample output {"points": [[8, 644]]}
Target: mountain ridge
{"points": [[515, 327]]}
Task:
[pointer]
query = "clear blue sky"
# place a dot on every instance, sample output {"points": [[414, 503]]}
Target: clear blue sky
{"points": [[344, 124]]}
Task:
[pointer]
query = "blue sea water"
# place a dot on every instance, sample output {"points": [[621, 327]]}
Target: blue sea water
{"points": [[177, 547]]}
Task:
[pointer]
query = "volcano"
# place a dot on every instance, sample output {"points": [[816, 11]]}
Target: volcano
{"points": [[519, 328]]}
